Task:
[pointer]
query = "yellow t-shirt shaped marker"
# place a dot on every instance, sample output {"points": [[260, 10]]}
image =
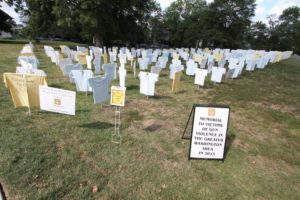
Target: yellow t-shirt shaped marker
{"points": [[24, 89]]}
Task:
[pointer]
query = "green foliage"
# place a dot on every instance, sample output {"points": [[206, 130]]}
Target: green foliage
{"points": [[289, 29], [184, 20], [219, 24], [157, 31], [280, 34], [55, 156], [227, 22], [105, 20], [258, 35], [185, 23]]}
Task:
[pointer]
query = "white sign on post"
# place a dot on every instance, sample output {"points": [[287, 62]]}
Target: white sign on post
{"points": [[209, 132], [57, 100]]}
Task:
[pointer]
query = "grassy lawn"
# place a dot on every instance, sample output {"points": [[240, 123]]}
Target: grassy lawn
{"points": [[55, 156]]}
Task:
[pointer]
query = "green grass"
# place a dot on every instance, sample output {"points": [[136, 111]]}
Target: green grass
{"points": [[55, 156]]}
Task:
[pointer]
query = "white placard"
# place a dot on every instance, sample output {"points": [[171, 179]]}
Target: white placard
{"points": [[209, 132], [57, 100]]}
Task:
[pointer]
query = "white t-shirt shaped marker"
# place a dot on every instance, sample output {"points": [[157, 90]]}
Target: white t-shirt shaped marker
{"points": [[68, 68], [176, 61], [64, 62], [250, 65], [175, 68], [191, 66], [230, 73], [211, 60], [80, 78], [200, 76], [100, 88], [39, 72], [217, 74], [203, 63], [97, 64], [112, 56], [122, 60], [143, 63], [122, 76], [147, 83], [163, 62], [155, 69], [89, 61], [222, 62], [110, 70]]}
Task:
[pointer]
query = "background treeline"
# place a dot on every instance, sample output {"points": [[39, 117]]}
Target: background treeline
{"points": [[185, 23]]}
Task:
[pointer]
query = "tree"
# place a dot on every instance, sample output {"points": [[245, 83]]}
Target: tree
{"points": [[290, 15], [106, 20], [194, 15], [258, 36], [41, 19], [289, 29], [37, 14], [227, 21], [284, 32], [97, 20], [157, 30], [184, 21], [273, 32]]}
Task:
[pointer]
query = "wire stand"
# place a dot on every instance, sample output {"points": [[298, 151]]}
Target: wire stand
{"points": [[116, 137]]}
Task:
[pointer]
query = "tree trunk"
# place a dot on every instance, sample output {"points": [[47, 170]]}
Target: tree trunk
{"points": [[97, 40]]}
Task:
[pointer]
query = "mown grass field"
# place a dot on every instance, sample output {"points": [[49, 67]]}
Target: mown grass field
{"points": [[55, 156]]}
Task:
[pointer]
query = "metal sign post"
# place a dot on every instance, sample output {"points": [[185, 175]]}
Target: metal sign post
{"points": [[116, 137], [117, 100]]}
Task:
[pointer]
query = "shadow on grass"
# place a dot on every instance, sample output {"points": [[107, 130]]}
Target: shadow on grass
{"points": [[153, 127], [198, 88], [161, 97], [55, 85], [212, 85], [181, 92], [230, 139], [97, 125], [132, 87], [83, 111]]}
